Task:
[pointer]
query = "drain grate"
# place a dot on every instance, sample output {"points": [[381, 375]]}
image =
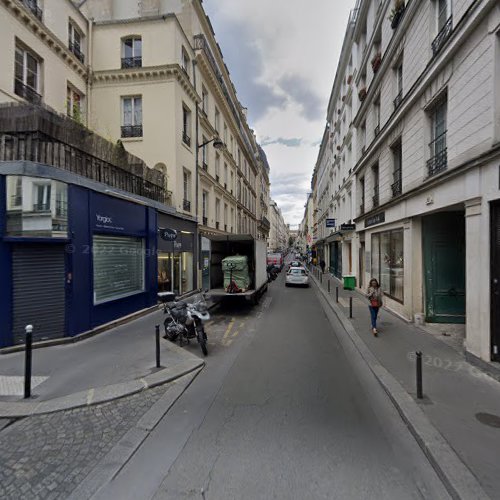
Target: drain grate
{"points": [[489, 419]]}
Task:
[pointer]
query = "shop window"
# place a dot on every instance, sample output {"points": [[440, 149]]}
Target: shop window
{"points": [[36, 207], [118, 267], [388, 262]]}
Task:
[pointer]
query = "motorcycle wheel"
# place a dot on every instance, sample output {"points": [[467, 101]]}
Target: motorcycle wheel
{"points": [[168, 335], [202, 339]]}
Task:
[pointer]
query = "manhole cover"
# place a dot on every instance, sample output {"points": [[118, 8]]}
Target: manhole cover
{"points": [[489, 419]]}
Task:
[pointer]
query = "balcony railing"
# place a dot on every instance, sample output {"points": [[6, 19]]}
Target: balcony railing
{"points": [[439, 159], [40, 136], [442, 36], [75, 48], [61, 208], [186, 205], [131, 131], [131, 62], [205, 221], [186, 139], [16, 200], [41, 207], [397, 186], [398, 99], [27, 92], [34, 8]]}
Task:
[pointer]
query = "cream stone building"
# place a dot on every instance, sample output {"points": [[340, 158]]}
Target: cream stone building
{"points": [[413, 135], [279, 230], [163, 89]]}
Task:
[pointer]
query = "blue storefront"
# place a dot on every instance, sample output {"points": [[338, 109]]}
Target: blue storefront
{"points": [[73, 254]]}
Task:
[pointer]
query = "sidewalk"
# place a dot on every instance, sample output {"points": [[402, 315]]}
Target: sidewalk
{"points": [[113, 364], [460, 401]]}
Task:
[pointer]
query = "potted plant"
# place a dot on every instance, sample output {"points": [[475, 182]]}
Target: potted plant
{"points": [[396, 13], [376, 61], [362, 94]]}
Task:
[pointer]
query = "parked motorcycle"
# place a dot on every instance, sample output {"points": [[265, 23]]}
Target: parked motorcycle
{"points": [[185, 320], [272, 273]]}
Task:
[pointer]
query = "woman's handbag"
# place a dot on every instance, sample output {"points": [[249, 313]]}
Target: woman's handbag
{"points": [[374, 302]]}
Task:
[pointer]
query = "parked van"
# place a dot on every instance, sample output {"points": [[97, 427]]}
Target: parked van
{"points": [[276, 260]]}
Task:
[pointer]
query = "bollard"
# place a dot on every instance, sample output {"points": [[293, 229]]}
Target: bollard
{"points": [[419, 375], [27, 361], [328, 286], [350, 307], [157, 328], [321, 278], [337, 295]]}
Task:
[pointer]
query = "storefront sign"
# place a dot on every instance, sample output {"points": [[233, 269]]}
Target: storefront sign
{"points": [[168, 234], [375, 219], [347, 227], [330, 222]]}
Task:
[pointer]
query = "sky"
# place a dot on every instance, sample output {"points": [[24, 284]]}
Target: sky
{"points": [[282, 56]]}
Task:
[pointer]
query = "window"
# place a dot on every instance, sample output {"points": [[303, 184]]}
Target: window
{"points": [[186, 125], [118, 267], [232, 219], [73, 104], [204, 207], [217, 213], [75, 41], [375, 176], [27, 75], [34, 7], [438, 150], [388, 262], [225, 217], [217, 120], [362, 191], [132, 52], [399, 85], [444, 25], [132, 116], [204, 100], [217, 167], [185, 62], [225, 175], [376, 113], [232, 182], [362, 132], [186, 183], [225, 134], [397, 159], [204, 153]]}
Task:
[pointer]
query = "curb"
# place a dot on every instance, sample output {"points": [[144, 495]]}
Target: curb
{"points": [[457, 478], [100, 395]]}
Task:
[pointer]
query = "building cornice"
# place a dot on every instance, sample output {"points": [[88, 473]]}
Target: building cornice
{"points": [[41, 31]]}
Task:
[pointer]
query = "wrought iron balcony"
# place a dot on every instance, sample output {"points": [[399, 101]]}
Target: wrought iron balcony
{"points": [[186, 205], [398, 99], [61, 208], [442, 36], [186, 139], [205, 221], [26, 92], [41, 207], [397, 186], [439, 155], [32, 5], [131, 62], [75, 48], [131, 131], [16, 200]]}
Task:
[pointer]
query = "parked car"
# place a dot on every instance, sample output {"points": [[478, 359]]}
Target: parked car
{"points": [[294, 263], [297, 276]]}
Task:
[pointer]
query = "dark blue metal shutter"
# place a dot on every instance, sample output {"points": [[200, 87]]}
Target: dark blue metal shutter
{"points": [[38, 291]]}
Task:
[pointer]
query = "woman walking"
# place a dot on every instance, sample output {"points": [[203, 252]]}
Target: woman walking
{"points": [[374, 294]]}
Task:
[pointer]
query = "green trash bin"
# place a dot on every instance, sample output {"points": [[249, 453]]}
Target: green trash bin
{"points": [[349, 282]]}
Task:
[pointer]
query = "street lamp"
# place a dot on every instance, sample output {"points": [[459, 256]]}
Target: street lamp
{"points": [[218, 144]]}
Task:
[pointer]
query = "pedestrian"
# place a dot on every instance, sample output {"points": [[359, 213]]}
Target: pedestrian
{"points": [[322, 264], [374, 294]]}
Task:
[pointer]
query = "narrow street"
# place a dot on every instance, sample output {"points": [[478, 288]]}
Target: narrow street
{"points": [[282, 413]]}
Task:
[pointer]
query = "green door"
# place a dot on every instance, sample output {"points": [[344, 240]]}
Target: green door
{"points": [[444, 267]]}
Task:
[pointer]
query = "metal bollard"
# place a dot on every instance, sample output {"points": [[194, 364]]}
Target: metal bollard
{"points": [[337, 294], [157, 328], [328, 286], [27, 361], [420, 394], [321, 278], [350, 307]]}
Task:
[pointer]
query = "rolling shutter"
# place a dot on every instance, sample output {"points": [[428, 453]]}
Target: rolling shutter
{"points": [[38, 291]]}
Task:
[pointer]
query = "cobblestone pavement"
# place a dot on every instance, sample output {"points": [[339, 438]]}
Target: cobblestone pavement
{"points": [[47, 456]]}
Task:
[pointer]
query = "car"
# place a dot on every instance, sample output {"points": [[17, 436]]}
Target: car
{"points": [[297, 276], [294, 263]]}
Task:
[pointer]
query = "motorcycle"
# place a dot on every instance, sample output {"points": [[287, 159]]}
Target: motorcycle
{"points": [[185, 320], [272, 274]]}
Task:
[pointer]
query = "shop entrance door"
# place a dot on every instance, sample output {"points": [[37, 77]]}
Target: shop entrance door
{"points": [[38, 277], [444, 267], [495, 281], [176, 273]]}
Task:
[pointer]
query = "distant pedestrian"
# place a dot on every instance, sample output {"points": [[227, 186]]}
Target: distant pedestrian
{"points": [[374, 294], [322, 264]]}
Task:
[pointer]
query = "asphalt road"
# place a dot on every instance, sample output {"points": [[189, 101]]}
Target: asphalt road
{"points": [[281, 411]]}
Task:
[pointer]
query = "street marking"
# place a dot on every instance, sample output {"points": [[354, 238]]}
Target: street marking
{"points": [[14, 385], [90, 396], [235, 334], [228, 329]]}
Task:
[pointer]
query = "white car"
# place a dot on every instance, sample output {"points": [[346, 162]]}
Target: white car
{"points": [[297, 276]]}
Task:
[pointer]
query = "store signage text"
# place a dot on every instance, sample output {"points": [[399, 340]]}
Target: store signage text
{"points": [[375, 219], [347, 227], [330, 222], [168, 234]]}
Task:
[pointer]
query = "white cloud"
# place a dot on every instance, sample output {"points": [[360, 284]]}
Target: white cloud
{"points": [[282, 55]]}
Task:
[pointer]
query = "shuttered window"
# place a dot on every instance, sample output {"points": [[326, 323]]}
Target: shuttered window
{"points": [[118, 267]]}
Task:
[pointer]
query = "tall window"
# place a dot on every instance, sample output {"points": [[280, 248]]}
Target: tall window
{"points": [[375, 177], [443, 13], [225, 134], [388, 262], [204, 207], [217, 120], [73, 104], [444, 24], [186, 184], [363, 137], [232, 219], [27, 75], [438, 150], [75, 41], [225, 217], [232, 182], [185, 61], [217, 167], [376, 112], [217, 213], [204, 153], [204, 100], [362, 191], [186, 125], [225, 175], [132, 52], [399, 85], [397, 160], [132, 116]]}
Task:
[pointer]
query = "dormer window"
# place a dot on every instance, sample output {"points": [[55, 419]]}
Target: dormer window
{"points": [[132, 52]]}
